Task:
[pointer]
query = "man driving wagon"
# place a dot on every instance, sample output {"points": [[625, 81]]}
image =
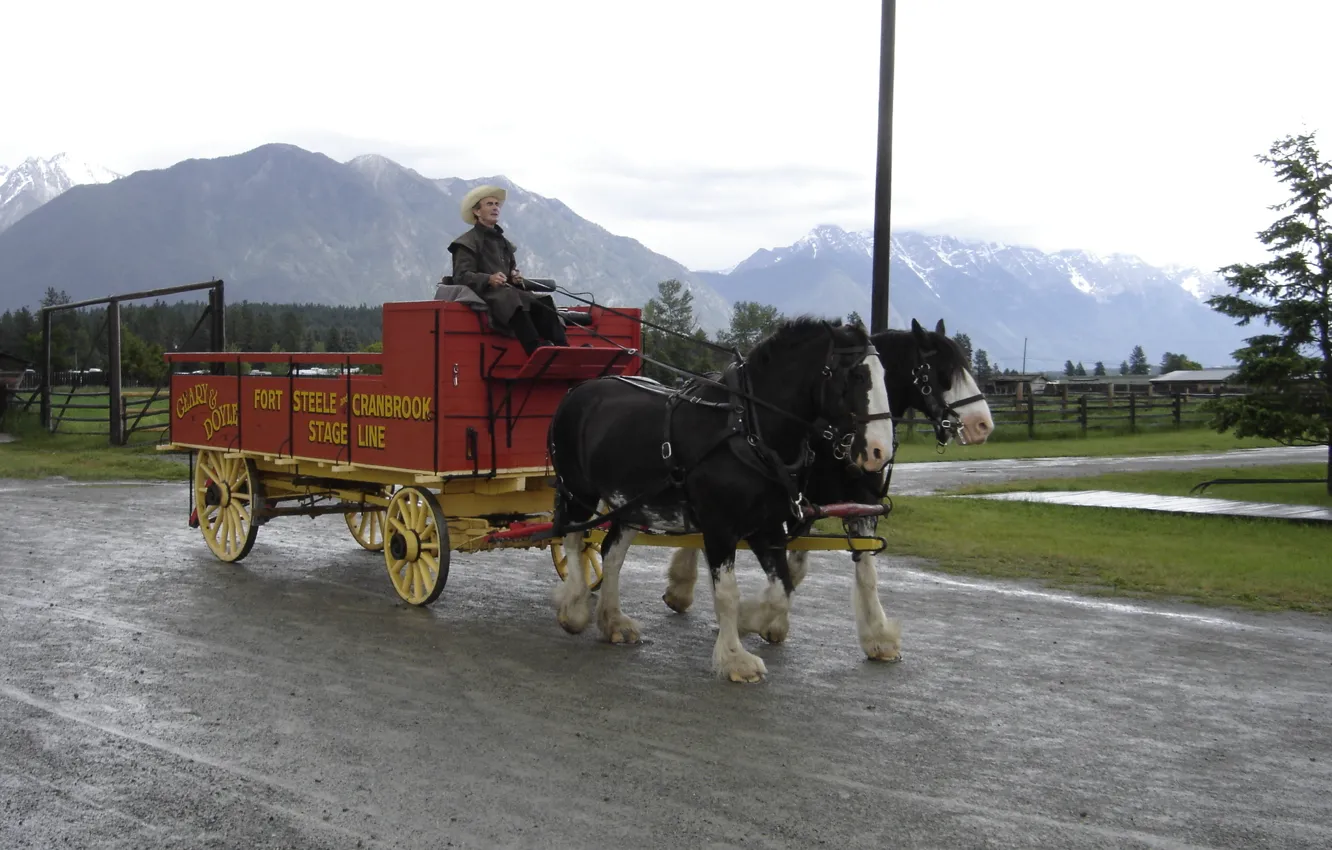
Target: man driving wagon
{"points": [[484, 262]]}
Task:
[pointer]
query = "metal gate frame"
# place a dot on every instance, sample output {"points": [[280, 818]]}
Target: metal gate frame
{"points": [[215, 312]]}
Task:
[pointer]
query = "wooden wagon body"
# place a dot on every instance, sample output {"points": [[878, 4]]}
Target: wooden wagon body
{"points": [[437, 444]]}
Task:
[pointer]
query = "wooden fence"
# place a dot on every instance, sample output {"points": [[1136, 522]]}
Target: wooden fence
{"points": [[1036, 416], [81, 410]]}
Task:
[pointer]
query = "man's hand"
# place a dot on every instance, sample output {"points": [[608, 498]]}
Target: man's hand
{"points": [[497, 279], [517, 276]]}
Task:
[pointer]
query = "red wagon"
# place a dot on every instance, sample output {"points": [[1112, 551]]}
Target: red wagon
{"points": [[434, 446]]}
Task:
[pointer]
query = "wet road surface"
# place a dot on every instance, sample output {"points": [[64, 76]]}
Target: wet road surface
{"points": [[153, 697], [922, 479]]}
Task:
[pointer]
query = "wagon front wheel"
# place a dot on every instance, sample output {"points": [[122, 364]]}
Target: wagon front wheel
{"points": [[416, 545], [228, 499], [590, 558]]}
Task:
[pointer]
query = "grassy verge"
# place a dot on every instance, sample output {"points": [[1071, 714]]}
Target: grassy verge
{"points": [[38, 454], [1186, 441], [1206, 559], [1178, 483], [1210, 560]]}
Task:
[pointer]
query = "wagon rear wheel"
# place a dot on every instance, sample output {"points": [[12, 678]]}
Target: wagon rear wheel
{"points": [[590, 558], [228, 498], [416, 550], [367, 527]]}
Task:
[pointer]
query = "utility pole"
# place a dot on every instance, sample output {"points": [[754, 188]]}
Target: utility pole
{"points": [[1024, 355], [883, 182]]}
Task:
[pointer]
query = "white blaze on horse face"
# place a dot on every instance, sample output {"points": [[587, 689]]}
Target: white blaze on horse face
{"points": [[977, 426], [878, 432]]}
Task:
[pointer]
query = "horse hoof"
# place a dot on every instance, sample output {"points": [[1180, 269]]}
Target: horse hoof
{"points": [[742, 667], [773, 634], [573, 622], [884, 654], [624, 636], [678, 604]]}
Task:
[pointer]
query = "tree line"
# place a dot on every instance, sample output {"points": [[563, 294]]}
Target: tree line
{"points": [[79, 341]]}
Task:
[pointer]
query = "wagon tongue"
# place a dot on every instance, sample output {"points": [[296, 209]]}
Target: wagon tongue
{"points": [[844, 510]]}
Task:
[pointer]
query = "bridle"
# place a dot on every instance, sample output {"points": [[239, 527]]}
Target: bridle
{"points": [[943, 415], [842, 435]]}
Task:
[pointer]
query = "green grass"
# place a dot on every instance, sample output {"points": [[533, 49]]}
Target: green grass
{"points": [[1185, 441], [1179, 482], [1209, 560], [80, 457]]}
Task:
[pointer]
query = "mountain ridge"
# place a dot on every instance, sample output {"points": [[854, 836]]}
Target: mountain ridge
{"points": [[279, 222], [1071, 304]]}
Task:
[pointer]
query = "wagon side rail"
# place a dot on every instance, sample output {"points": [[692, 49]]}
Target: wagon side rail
{"points": [[347, 358]]}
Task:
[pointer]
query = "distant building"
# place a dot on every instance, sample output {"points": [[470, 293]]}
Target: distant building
{"points": [[1195, 381], [1015, 384]]}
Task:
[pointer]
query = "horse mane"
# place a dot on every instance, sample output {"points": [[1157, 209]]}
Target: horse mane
{"points": [[797, 330]]}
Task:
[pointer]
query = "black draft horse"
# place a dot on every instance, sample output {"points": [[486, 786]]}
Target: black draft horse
{"points": [[727, 461], [924, 370]]}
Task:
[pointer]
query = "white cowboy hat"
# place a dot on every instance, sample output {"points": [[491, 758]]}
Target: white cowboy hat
{"points": [[474, 197]]}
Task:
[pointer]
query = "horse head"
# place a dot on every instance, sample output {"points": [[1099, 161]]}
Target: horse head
{"points": [[944, 389], [831, 377]]}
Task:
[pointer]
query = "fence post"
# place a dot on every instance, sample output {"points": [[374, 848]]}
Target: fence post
{"points": [[1133, 413], [46, 369], [116, 425], [1031, 416], [1082, 413], [1178, 409], [217, 330]]}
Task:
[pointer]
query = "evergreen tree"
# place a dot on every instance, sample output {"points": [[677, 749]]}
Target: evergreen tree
{"points": [[854, 319], [1137, 362], [1288, 369], [1123, 367], [1080, 370], [964, 342], [1099, 369], [1068, 368], [673, 310], [983, 368], [750, 322]]}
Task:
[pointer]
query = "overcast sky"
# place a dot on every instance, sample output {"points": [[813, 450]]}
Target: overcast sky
{"points": [[709, 129]]}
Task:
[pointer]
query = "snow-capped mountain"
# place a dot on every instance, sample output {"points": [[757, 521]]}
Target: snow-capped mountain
{"points": [[1066, 305], [282, 223], [36, 181]]}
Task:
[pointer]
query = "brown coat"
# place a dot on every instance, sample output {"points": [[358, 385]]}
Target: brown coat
{"points": [[481, 252]]}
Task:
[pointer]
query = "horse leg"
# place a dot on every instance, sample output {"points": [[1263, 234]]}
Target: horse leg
{"points": [[774, 607], [615, 626], [880, 637], [729, 658], [762, 616], [680, 579], [572, 594]]}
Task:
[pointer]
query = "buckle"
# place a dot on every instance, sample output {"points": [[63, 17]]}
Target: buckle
{"points": [[666, 450]]}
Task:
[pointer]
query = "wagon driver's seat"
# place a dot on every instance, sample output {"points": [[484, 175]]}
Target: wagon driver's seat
{"points": [[447, 290]]}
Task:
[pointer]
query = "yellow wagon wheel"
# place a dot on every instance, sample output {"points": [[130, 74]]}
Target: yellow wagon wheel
{"points": [[417, 550], [228, 498], [590, 557], [367, 527]]}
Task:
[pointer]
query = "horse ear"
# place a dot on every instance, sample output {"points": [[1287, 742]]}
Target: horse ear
{"points": [[939, 329], [919, 333]]}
